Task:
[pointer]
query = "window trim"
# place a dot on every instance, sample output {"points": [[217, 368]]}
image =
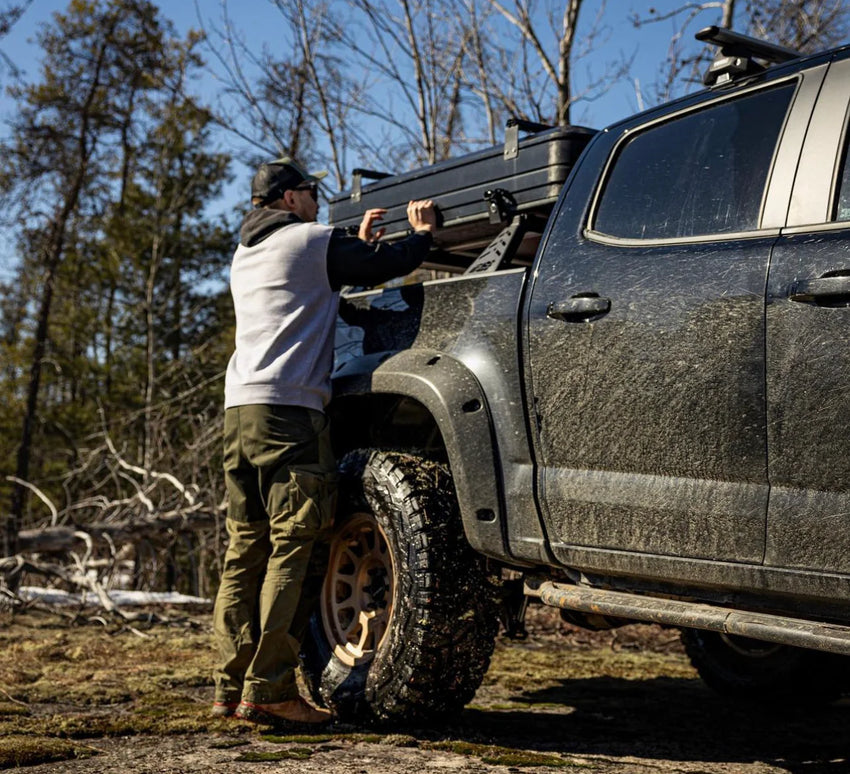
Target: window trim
{"points": [[812, 201], [724, 236], [589, 232], [816, 228]]}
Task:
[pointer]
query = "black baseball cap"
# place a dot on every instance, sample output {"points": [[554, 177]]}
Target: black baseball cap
{"points": [[273, 178]]}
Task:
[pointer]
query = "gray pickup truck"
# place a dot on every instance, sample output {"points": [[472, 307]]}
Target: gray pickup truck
{"points": [[636, 410]]}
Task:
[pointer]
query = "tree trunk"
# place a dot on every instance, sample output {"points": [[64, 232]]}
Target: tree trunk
{"points": [[565, 49], [52, 257], [19, 492]]}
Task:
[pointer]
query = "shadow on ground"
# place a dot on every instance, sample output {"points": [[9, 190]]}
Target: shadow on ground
{"points": [[665, 718]]}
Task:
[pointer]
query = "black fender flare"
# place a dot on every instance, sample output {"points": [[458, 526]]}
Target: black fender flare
{"points": [[456, 401]]}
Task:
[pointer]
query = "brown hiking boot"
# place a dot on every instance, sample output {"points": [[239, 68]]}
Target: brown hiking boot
{"points": [[293, 712], [223, 709]]}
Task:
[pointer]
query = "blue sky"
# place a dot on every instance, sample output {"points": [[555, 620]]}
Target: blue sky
{"points": [[263, 22], [259, 17]]}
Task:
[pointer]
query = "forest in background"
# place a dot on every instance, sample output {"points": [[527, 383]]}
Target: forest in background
{"points": [[115, 319]]}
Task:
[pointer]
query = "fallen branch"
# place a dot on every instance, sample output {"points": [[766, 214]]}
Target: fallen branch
{"points": [[13, 567], [159, 530], [150, 531]]}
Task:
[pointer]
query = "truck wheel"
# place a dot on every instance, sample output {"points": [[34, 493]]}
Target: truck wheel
{"points": [[756, 671], [407, 618]]}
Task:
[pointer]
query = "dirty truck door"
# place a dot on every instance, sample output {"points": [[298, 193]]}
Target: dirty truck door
{"points": [[645, 340], [808, 354]]}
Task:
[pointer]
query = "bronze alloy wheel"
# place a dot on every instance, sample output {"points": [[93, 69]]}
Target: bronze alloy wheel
{"points": [[407, 618], [357, 597]]}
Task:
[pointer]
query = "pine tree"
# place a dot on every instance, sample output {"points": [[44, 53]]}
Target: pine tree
{"points": [[109, 168]]}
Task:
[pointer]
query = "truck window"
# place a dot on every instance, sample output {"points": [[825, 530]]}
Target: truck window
{"points": [[702, 173], [843, 205]]}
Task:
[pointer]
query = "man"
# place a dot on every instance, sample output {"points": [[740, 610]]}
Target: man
{"points": [[279, 467]]}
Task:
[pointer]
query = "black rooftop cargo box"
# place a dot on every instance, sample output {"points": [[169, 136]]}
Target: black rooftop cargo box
{"points": [[531, 170]]}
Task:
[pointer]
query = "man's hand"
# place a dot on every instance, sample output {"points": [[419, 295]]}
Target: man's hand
{"points": [[422, 216], [365, 230]]}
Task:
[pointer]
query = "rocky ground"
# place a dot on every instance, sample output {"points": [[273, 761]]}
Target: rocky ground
{"points": [[101, 697]]}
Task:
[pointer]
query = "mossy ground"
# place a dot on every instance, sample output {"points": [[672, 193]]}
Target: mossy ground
{"points": [[18, 750], [61, 685], [561, 699]]}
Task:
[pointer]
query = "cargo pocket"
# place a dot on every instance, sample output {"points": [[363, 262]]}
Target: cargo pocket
{"points": [[311, 499]]}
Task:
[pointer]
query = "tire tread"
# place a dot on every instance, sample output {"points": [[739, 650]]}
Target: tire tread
{"points": [[444, 617]]}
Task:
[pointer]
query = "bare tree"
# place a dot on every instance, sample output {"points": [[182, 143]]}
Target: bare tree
{"points": [[527, 63], [557, 68], [293, 104], [414, 50], [315, 27], [381, 79], [263, 98], [804, 25], [403, 82], [479, 77], [683, 62]]}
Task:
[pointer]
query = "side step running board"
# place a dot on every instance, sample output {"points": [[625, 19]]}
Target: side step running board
{"points": [[758, 626]]}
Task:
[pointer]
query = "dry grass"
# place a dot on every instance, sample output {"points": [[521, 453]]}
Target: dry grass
{"points": [[556, 700], [61, 684]]}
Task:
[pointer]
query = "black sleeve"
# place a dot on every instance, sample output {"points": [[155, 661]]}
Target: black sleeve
{"points": [[351, 261]]}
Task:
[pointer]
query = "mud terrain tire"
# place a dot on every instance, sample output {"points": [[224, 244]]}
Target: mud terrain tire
{"points": [[421, 585], [757, 672]]}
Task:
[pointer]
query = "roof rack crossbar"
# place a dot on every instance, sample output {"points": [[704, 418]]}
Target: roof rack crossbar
{"points": [[738, 52]]}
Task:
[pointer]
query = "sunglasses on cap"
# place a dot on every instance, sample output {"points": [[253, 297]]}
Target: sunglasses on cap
{"points": [[311, 187]]}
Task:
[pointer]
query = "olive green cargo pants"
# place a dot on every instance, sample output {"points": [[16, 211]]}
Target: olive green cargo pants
{"points": [[281, 481]]}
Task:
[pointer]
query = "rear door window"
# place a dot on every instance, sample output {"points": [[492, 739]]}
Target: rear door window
{"points": [[700, 174], [843, 207]]}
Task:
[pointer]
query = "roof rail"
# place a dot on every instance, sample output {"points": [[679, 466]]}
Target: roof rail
{"points": [[737, 54]]}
